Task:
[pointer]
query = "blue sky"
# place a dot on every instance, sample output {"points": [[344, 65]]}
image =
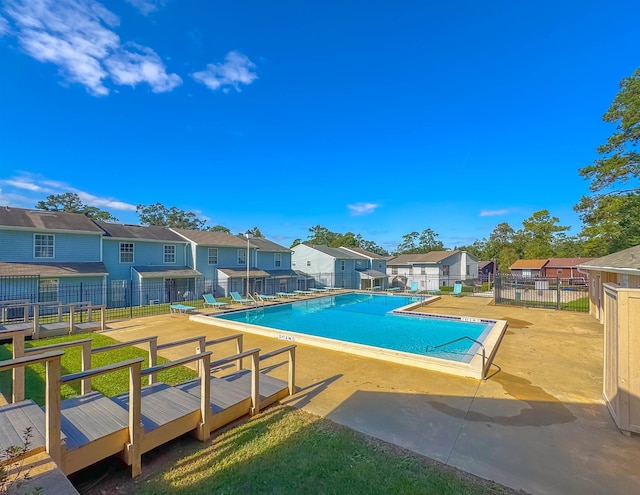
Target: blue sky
{"points": [[375, 117]]}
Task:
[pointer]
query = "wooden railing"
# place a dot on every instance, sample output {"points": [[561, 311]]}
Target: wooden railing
{"points": [[291, 375]]}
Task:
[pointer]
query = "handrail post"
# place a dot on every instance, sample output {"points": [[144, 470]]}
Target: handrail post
{"points": [[255, 384], [153, 358], [59, 312], [72, 314], [202, 347], [103, 317], [36, 321], [239, 347], [204, 365], [89, 312], [292, 371], [18, 372], [135, 419], [53, 424], [25, 309], [85, 384]]}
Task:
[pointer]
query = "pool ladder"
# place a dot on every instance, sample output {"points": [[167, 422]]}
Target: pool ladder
{"points": [[466, 337]]}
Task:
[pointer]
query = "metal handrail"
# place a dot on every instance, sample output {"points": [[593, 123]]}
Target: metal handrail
{"points": [[484, 352]]}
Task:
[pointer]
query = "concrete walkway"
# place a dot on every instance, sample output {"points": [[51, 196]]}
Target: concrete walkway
{"points": [[537, 424]]}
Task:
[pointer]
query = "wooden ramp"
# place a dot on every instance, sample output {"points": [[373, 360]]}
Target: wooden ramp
{"points": [[82, 430]]}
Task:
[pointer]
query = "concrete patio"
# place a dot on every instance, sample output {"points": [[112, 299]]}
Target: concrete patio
{"points": [[538, 424]]}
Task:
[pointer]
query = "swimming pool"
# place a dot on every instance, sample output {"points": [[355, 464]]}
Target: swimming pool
{"points": [[374, 325]]}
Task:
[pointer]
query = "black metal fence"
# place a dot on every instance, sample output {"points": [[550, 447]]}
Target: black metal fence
{"points": [[539, 292]]}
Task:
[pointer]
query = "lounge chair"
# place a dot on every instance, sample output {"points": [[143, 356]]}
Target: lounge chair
{"points": [[235, 297], [209, 300], [457, 290], [265, 297], [414, 287]]}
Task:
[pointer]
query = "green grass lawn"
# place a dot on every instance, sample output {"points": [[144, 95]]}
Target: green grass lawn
{"points": [[108, 384], [288, 451]]}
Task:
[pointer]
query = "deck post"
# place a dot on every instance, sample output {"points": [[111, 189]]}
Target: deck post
{"points": [[239, 346], [18, 372], [85, 384], [59, 312], [89, 312], [26, 312], [53, 424], [292, 371], [153, 358], [202, 347], [134, 455], [72, 313], [255, 383], [204, 430], [36, 321], [103, 317]]}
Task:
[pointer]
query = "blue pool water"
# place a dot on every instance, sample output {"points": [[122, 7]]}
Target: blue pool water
{"points": [[366, 319]]}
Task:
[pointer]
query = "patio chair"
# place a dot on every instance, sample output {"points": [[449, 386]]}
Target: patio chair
{"points": [[236, 297], [209, 300], [265, 297], [457, 290], [414, 287]]}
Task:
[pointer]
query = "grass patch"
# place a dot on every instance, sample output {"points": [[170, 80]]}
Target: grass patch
{"points": [[110, 384], [288, 451]]}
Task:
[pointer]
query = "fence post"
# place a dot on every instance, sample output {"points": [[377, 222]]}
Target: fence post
{"points": [[558, 306]]}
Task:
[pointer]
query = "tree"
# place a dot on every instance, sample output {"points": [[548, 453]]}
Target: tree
{"points": [[427, 242], [321, 235], [219, 228], [160, 215], [256, 232], [539, 235], [610, 221], [296, 242], [71, 203], [409, 243]]}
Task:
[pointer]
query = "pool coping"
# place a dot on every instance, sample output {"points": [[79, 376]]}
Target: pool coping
{"points": [[472, 369]]}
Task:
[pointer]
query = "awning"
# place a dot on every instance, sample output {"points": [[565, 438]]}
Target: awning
{"points": [[155, 271], [282, 273], [253, 273], [371, 274], [94, 269]]}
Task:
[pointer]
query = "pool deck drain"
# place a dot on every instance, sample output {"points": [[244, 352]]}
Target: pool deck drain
{"points": [[538, 423]]}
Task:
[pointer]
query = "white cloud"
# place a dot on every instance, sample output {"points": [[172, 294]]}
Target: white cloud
{"points": [[236, 70], [493, 213], [147, 6], [37, 184], [4, 26], [362, 208], [78, 37]]}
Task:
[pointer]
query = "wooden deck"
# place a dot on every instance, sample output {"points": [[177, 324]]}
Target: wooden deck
{"points": [[82, 430]]}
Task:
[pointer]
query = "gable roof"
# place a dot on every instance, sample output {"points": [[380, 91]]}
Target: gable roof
{"points": [[482, 264], [566, 262], [46, 220], [208, 238], [365, 253], [528, 264], [425, 258], [338, 253], [266, 245], [143, 232], [627, 260]]}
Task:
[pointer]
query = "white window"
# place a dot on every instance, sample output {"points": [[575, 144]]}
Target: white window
{"points": [[342, 265], [423, 270], [409, 271], [468, 270], [43, 245], [277, 260], [445, 270], [559, 271], [169, 253], [242, 257], [308, 262], [526, 273], [293, 263], [126, 252], [48, 290], [394, 270], [213, 256]]}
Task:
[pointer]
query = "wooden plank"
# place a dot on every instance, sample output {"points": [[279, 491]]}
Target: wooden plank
{"points": [[161, 404], [89, 417], [14, 420], [223, 394]]}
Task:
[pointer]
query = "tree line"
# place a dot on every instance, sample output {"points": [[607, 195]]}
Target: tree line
{"points": [[610, 216]]}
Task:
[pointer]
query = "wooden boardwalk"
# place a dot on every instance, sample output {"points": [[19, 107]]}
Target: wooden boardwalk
{"points": [[85, 429]]}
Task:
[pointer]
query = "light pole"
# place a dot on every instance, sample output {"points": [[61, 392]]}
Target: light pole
{"points": [[248, 235]]}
